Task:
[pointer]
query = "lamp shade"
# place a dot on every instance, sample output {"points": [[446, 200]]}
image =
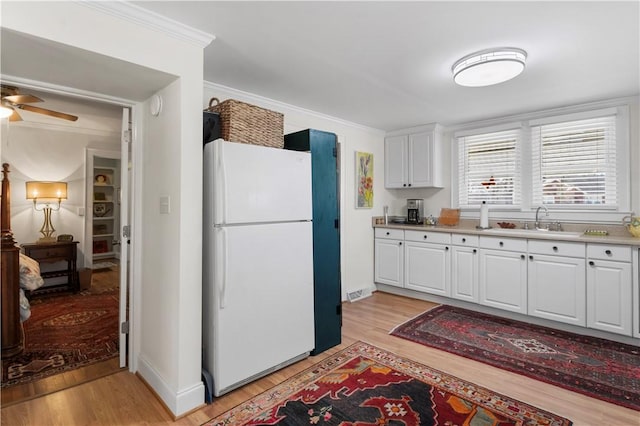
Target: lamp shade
{"points": [[488, 67], [39, 190]]}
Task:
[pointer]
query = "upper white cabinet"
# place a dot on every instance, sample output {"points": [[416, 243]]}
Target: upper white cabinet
{"points": [[413, 158]]}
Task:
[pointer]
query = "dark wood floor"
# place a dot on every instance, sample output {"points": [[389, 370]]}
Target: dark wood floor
{"points": [[101, 280]]}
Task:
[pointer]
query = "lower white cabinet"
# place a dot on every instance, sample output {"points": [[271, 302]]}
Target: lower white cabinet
{"points": [[609, 290], [464, 267], [556, 288], [427, 267], [575, 283], [427, 262], [389, 257], [503, 274]]}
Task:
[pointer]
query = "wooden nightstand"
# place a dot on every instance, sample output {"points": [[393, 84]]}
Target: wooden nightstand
{"points": [[53, 253]]}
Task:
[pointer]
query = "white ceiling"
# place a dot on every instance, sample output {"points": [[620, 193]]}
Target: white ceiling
{"points": [[385, 65], [388, 64]]}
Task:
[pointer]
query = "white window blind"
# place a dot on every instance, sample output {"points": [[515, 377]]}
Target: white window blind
{"points": [[488, 168], [574, 163]]}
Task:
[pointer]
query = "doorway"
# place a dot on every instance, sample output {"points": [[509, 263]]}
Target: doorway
{"points": [[100, 292]]}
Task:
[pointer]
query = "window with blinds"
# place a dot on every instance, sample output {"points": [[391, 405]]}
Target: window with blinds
{"points": [[574, 163], [488, 168]]}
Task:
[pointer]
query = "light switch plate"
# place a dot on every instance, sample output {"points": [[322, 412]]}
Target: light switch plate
{"points": [[165, 204]]}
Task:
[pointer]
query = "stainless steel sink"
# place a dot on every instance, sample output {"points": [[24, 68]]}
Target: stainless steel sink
{"points": [[532, 233]]}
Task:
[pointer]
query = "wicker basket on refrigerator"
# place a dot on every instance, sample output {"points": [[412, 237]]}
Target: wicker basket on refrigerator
{"points": [[246, 123]]}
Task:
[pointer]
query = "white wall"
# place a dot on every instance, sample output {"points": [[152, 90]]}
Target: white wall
{"points": [[356, 231], [167, 316]]}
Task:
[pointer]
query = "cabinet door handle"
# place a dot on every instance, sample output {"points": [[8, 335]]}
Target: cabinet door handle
{"points": [[501, 244], [555, 248], [404, 184], [409, 184], [446, 248], [474, 250], [464, 240], [400, 243], [522, 256], [591, 263], [425, 237], [387, 233], [530, 257], [608, 252]]}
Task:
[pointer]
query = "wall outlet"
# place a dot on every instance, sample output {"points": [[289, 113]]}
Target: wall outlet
{"points": [[80, 211]]}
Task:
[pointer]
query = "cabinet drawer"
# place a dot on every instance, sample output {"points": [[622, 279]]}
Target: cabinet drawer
{"points": [[428, 237], [49, 253], [464, 240], [392, 234], [556, 248], [609, 252], [499, 243]]}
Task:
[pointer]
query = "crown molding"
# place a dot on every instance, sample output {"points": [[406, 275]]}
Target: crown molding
{"points": [[277, 105], [147, 18]]}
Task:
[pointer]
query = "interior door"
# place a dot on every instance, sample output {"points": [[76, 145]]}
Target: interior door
{"points": [[124, 232]]}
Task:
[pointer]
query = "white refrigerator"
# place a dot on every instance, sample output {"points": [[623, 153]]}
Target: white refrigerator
{"points": [[257, 261]]}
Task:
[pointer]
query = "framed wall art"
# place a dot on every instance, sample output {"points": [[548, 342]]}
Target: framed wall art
{"points": [[364, 180]]}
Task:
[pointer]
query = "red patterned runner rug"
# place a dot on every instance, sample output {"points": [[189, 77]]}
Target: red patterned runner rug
{"points": [[64, 333], [367, 386], [598, 368]]}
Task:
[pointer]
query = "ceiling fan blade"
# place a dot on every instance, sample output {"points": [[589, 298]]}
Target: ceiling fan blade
{"points": [[15, 116], [47, 112], [22, 99]]}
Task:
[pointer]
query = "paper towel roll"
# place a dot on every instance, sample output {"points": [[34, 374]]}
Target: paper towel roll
{"points": [[484, 215]]}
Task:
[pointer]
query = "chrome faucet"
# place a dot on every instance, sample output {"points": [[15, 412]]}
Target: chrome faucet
{"points": [[546, 211]]}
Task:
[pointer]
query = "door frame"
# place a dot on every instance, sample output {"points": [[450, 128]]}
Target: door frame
{"points": [[135, 185]]}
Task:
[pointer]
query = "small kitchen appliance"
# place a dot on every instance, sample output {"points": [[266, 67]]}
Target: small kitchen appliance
{"points": [[415, 210]]}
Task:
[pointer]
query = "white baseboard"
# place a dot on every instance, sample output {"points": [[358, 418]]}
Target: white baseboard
{"points": [[178, 403]]}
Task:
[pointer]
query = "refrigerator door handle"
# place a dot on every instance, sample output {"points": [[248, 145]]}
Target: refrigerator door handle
{"points": [[221, 271], [224, 264], [222, 201]]}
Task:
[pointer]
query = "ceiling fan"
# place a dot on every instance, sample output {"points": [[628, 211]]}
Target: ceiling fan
{"points": [[14, 100]]}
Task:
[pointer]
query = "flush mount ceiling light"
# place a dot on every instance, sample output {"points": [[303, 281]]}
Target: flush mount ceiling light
{"points": [[490, 66]]}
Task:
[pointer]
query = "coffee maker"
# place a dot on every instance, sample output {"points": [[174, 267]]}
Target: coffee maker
{"points": [[415, 210]]}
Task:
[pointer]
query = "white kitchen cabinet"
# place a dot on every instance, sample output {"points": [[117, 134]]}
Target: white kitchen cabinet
{"points": [[464, 267], [414, 159], [556, 281], [503, 274], [427, 262], [609, 288], [389, 257]]}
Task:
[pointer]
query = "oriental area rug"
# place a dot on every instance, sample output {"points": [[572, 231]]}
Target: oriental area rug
{"points": [[598, 368], [364, 385], [65, 333]]}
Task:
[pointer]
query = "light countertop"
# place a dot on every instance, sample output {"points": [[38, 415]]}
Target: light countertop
{"points": [[573, 232]]}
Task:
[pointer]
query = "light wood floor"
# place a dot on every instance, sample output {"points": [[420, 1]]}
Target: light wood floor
{"points": [[123, 399]]}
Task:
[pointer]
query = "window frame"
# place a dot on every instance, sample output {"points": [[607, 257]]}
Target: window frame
{"points": [[573, 213]]}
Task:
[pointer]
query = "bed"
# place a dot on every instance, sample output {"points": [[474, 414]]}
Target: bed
{"points": [[19, 273]]}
